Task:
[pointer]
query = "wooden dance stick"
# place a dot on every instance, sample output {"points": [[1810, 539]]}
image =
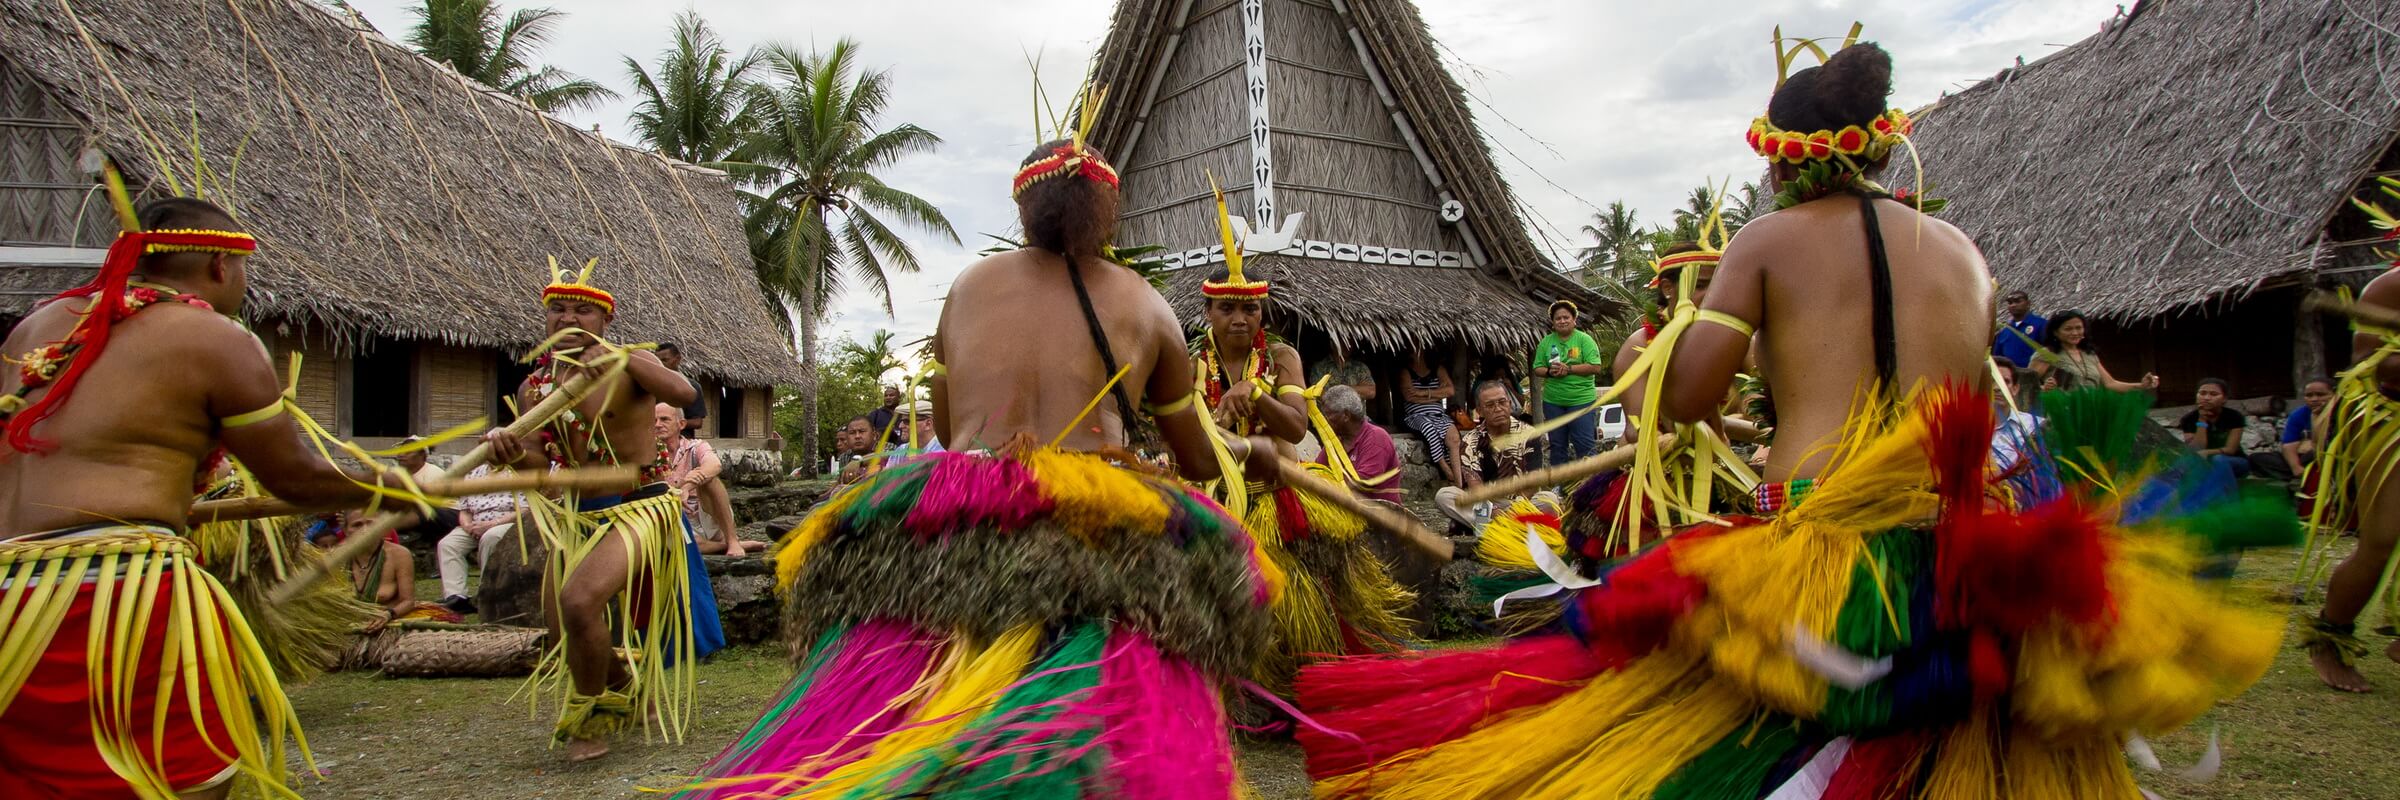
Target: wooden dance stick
{"points": [[1569, 472], [619, 478], [2329, 303], [365, 540], [1402, 525]]}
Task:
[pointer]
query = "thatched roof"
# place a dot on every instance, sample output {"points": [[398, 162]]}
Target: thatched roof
{"points": [[1368, 135], [1382, 307], [2192, 149], [392, 197]]}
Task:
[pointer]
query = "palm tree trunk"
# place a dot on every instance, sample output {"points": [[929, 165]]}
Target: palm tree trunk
{"points": [[808, 364]]}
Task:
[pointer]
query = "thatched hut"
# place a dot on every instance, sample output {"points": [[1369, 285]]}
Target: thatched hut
{"points": [[2184, 176], [406, 215], [1341, 111]]}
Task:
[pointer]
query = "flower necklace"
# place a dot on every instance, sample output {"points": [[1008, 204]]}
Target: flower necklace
{"points": [[572, 426], [38, 368], [1820, 179], [1214, 381]]}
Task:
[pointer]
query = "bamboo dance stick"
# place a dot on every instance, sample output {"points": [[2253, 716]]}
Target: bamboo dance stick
{"points": [[587, 479], [364, 541]]}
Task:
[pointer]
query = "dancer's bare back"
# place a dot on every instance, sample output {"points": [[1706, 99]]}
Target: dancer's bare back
{"points": [[1019, 356], [1802, 276]]}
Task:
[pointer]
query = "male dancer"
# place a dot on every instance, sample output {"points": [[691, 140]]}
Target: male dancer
{"points": [[131, 387], [608, 541], [1066, 616], [2355, 480]]}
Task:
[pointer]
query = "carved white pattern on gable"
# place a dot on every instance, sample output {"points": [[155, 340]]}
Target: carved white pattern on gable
{"points": [[1254, 63]]}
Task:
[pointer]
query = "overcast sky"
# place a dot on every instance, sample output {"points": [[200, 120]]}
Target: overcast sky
{"points": [[1585, 102]]}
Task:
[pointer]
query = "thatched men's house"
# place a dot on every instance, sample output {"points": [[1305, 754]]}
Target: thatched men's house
{"points": [[2184, 175], [1339, 110], [406, 215]]}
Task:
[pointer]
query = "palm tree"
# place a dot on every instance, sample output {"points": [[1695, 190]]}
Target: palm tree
{"points": [[695, 107], [1616, 243], [471, 37], [816, 219]]}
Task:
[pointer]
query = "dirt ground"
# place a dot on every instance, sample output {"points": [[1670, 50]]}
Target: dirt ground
{"points": [[379, 738]]}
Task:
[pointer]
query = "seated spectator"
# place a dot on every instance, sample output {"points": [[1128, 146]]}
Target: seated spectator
{"points": [[852, 445], [1482, 457], [2215, 429], [1427, 391], [386, 579], [414, 525], [484, 522], [1346, 372], [692, 469], [2070, 361], [920, 422], [2298, 445], [1369, 446]]}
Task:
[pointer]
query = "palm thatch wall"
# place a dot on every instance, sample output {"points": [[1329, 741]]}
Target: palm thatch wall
{"points": [[392, 197], [2192, 152], [1369, 137]]}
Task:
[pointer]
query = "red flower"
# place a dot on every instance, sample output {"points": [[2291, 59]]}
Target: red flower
{"points": [[1752, 138], [1850, 140], [1883, 125], [1793, 148], [1902, 193], [1820, 145]]}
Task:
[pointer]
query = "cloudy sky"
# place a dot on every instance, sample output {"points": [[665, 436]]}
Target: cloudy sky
{"points": [[1585, 101]]}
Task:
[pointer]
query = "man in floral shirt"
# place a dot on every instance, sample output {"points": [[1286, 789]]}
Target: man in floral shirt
{"points": [[1483, 457]]}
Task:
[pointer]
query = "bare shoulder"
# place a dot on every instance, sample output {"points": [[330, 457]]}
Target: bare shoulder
{"points": [[198, 330], [991, 267], [2384, 290]]}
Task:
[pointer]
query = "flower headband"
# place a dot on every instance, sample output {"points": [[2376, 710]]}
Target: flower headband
{"points": [[577, 286], [1867, 143], [1236, 285], [1071, 158]]}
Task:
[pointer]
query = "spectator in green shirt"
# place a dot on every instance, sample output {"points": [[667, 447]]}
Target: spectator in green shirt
{"points": [[1564, 366]]}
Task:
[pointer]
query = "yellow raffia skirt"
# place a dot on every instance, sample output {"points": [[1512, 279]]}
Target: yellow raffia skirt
{"points": [[1340, 599], [652, 616], [174, 690]]}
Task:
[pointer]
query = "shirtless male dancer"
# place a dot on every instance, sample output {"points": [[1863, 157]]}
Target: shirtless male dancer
{"points": [[2369, 484], [158, 385], [616, 537]]}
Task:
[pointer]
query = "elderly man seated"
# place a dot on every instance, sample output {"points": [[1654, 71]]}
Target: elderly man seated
{"points": [[1370, 446], [1485, 454], [484, 521]]}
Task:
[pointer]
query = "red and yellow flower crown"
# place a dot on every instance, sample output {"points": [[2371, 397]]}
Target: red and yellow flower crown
{"points": [[1072, 158], [1235, 285], [577, 286], [1856, 144]]}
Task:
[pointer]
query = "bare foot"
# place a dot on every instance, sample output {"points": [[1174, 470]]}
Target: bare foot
{"points": [[2340, 674], [582, 750]]}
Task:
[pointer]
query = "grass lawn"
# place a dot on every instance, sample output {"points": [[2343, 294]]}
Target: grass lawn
{"points": [[383, 738]]}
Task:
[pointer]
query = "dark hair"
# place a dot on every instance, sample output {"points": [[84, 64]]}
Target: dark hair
{"points": [[2016, 294], [1068, 214], [667, 346], [859, 418], [2328, 381], [1850, 89], [1567, 304], [2222, 386], [2050, 331], [1502, 386], [170, 213]]}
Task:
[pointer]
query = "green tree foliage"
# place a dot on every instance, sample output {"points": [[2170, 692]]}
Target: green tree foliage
{"points": [[849, 384], [695, 106], [817, 211], [472, 36]]}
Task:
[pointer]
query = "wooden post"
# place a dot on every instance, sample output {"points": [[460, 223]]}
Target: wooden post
{"points": [[2308, 343]]}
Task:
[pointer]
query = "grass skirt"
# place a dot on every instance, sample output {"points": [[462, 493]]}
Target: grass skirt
{"points": [[1341, 599], [1876, 641], [652, 617], [1036, 625]]}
